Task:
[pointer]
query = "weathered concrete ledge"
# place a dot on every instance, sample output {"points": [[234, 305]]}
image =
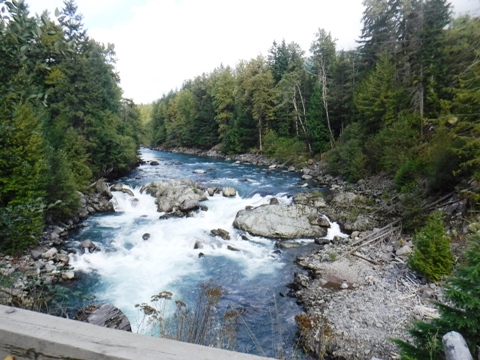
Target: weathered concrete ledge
{"points": [[30, 335]]}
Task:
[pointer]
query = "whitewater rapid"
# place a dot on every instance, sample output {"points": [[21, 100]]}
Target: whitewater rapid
{"points": [[127, 270]]}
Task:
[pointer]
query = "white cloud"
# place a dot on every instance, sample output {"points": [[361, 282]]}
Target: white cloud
{"points": [[161, 43], [168, 42]]}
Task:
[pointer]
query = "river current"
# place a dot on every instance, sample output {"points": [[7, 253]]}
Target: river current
{"points": [[128, 270]]}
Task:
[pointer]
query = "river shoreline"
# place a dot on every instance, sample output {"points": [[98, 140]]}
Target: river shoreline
{"points": [[359, 293], [47, 263], [356, 292]]}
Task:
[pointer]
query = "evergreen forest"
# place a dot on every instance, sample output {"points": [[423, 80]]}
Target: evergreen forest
{"points": [[63, 120], [405, 102]]}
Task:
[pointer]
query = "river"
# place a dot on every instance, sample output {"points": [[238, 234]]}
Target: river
{"points": [[128, 270]]}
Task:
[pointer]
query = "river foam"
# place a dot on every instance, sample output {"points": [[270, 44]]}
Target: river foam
{"points": [[127, 270]]}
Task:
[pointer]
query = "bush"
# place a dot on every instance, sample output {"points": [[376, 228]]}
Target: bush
{"points": [[462, 314], [286, 150], [21, 226], [348, 159], [432, 255], [406, 176]]}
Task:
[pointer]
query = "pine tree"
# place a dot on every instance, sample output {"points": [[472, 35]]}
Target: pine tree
{"points": [[432, 256], [376, 97], [462, 314]]}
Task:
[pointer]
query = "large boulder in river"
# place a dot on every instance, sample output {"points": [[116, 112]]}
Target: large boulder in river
{"points": [[182, 194], [281, 221], [105, 315]]}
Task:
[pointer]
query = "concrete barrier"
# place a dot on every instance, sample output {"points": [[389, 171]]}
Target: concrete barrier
{"points": [[30, 335]]}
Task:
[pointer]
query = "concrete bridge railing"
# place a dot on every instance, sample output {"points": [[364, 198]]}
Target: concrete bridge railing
{"points": [[30, 335]]}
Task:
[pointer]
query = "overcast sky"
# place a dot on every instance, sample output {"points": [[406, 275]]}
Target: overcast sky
{"points": [[161, 43]]}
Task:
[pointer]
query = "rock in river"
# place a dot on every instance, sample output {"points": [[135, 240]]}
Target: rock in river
{"points": [[105, 315], [176, 194], [221, 233], [281, 221], [229, 192]]}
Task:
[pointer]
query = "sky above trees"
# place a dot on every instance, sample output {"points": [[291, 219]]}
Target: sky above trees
{"points": [[159, 44]]}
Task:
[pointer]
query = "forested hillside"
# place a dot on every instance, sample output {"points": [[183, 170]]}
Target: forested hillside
{"points": [[404, 102], [63, 121]]}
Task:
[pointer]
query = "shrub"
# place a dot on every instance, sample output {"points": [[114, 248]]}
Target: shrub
{"points": [[462, 314], [21, 226], [405, 177], [348, 159], [286, 150], [432, 255]]}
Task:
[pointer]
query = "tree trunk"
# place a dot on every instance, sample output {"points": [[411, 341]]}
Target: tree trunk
{"points": [[323, 80], [299, 116], [260, 134]]}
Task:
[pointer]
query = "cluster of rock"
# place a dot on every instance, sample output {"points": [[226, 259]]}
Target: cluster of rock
{"points": [[45, 265], [48, 262], [96, 201], [182, 196], [356, 305]]}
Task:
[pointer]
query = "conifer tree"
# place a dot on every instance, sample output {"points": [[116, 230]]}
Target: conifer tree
{"points": [[461, 312], [432, 256]]}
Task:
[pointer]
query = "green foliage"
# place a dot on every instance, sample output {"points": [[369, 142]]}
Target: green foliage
{"points": [[62, 119], [21, 225], [407, 175], [460, 313], [394, 145], [286, 150], [223, 100], [23, 167], [376, 97], [61, 186], [316, 123], [348, 159], [432, 256]]}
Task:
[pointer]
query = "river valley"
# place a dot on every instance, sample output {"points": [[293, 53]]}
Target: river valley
{"points": [[128, 270]]}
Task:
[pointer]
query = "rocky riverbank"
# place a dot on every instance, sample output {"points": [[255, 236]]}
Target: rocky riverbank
{"points": [[356, 291], [26, 279]]}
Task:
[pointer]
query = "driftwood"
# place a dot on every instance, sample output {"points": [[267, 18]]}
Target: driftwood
{"points": [[378, 233], [366, 259], [431, 205], [372, 238]]}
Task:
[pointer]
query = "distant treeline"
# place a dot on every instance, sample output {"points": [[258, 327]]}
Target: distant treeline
{"points": [[405, 102], [63, 122]]}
